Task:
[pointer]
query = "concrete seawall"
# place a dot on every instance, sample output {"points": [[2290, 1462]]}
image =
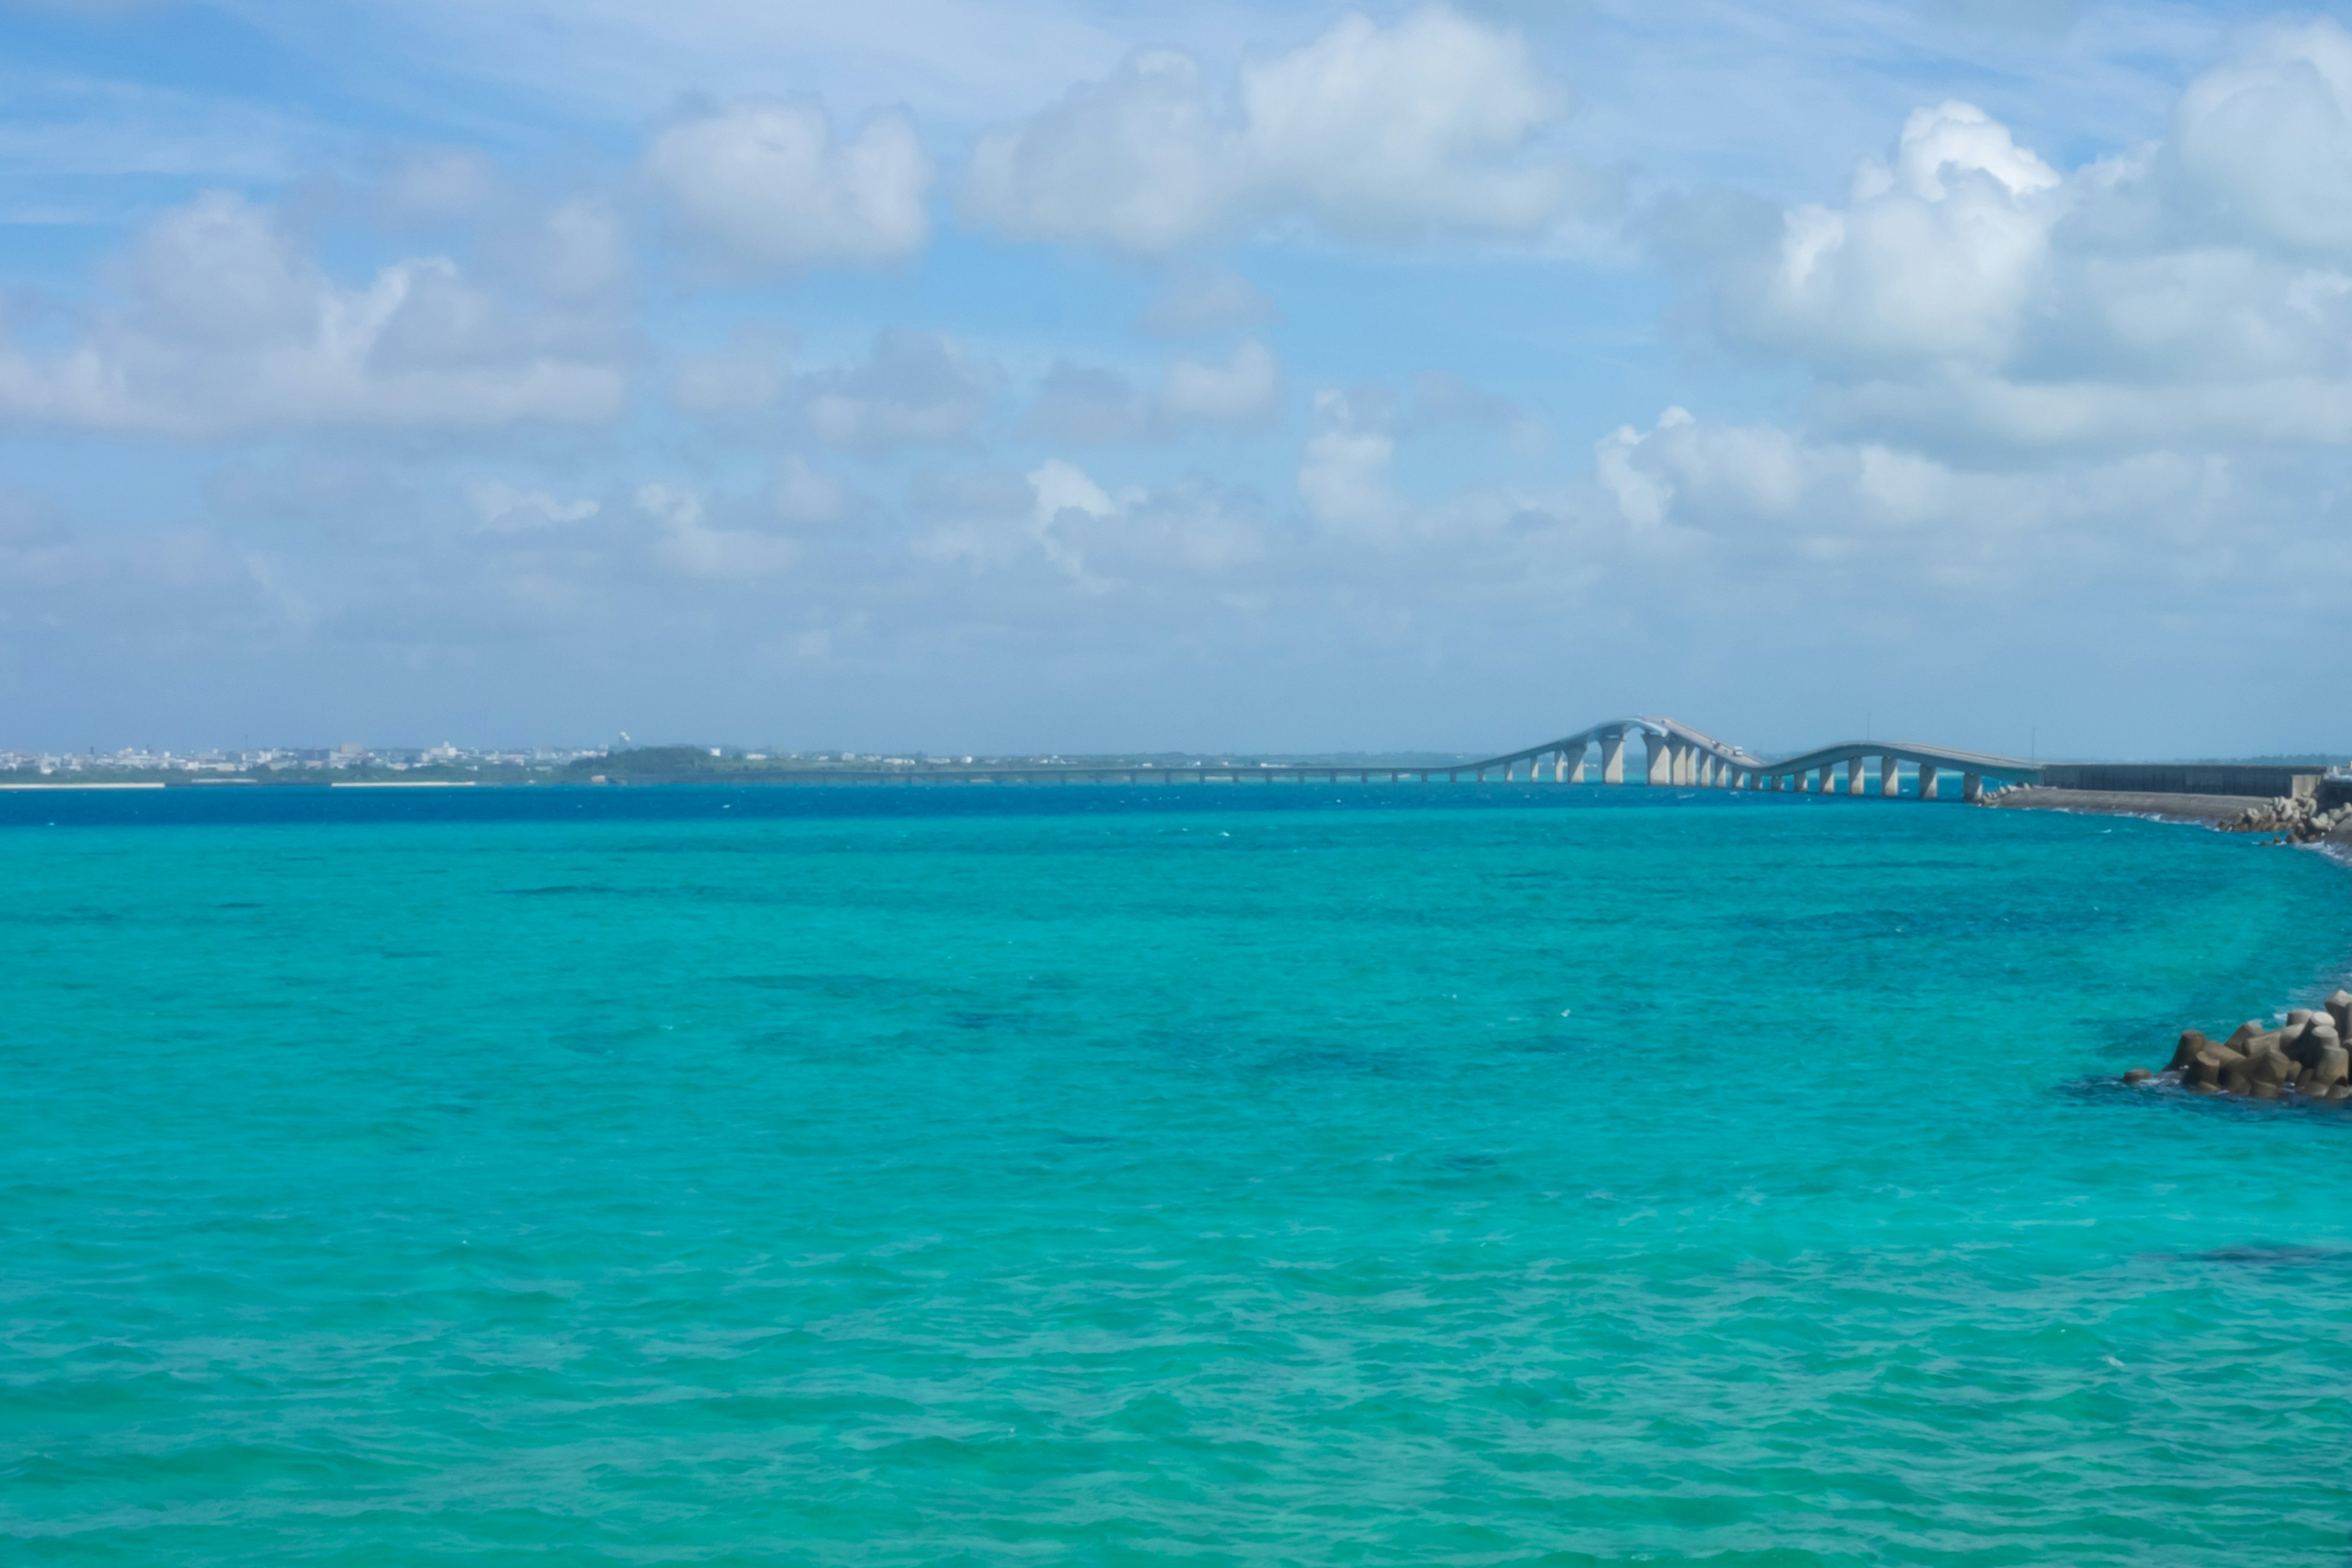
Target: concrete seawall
{"points": [[2214, 810], [2263, 781]]}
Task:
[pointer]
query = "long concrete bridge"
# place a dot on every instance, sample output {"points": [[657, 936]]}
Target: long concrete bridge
{"points": [[1672, 755], [1676, 755]]}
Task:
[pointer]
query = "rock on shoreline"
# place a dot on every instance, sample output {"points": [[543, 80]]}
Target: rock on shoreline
{"points": [[2304, 1059], [2297, 817]]}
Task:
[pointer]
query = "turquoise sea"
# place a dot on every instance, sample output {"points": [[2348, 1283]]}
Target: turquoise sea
{"points": [[1191, 1176]]}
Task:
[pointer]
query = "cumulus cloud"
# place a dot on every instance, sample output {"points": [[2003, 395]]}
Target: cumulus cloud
{"points": [[1142, 533], [1442, 397], [1059, 521], [752, 372], [1343, 471], [504, 508], [228, 325], [1196, 302], [913, 389], [2263, 143], [571, 247], [802, 495], [1245, 390], [768, 185], [689, 543], [1370, 133], [1935, 254], [1082, 405], [916, 389], [1969, 298], [1741, 478], [1764, 497], [1087, 405]]}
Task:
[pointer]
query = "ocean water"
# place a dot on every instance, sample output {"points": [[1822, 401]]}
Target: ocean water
{"points": [[1316, 1175]]}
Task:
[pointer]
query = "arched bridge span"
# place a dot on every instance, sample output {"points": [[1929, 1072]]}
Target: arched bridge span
{"points": [[1676, 755], [1673, 755]]}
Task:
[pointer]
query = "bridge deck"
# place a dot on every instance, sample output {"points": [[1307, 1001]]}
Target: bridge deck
{"points": [[1683, 747]]}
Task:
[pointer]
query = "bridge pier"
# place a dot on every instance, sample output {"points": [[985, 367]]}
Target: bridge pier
{"points": [[1854, 775], [1972, 788], [1661, 760], [1890, 777], [1612, 757], [1927, 781]]}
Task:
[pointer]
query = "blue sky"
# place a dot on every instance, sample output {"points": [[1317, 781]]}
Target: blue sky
{"points": [[1036, 375]]}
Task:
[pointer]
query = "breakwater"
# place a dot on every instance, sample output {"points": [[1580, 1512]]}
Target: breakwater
{"points": [[2303, 1058], [2300, 818]]}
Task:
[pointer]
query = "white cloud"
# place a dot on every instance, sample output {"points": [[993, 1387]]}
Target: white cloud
{"points": [[1343, 471], [1245, 390], [1643, 493], [1065, 487], [766, 183], [577, 248], [689, 543], [503, 509], [1992, 412], [808, 497], [753, 371], [2263, 141], [1196, 302], [1936, 253], [427, 187], [230, 327], [1082, 405], [1084, 537], [1370, 133], [1968, 300], [1141, 534], [1441, 397], [1087, 405], [913, 389], [1763, 496], [916, 389]]}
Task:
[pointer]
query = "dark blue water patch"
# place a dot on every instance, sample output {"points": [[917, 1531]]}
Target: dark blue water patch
{"points": [[2283, 1256], [847, 987]]}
